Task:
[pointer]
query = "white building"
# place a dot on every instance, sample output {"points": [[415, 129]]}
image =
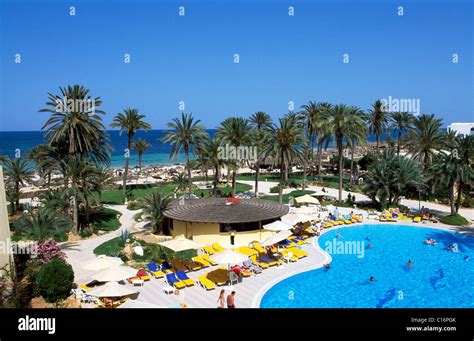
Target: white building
{"points": [[462, 128]]}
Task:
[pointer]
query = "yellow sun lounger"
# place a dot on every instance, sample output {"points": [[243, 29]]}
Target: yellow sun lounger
{"points": [[297, 252], [255, 261], [247, 251], [285, 254], [85, 287], [416, 219], [258, 247], [217, 247], [347, 221], [208, 259], [209, 250], [158, 274], [204, 263], [207, 284]]}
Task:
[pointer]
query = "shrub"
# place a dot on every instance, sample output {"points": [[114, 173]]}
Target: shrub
{"points": [[455, 219], [49, 251], [54, 281]]}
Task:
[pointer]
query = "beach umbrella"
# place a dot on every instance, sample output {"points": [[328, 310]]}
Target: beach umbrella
{"points": [[101, 262], [139, 304], [277, 225], [180, 243], [294, 219], [282, 235], [307, 199], [229, 257], [111, 289], [115, 274]]}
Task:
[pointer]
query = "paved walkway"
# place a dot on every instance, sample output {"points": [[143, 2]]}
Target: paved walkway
{"points": [[83, 250]]}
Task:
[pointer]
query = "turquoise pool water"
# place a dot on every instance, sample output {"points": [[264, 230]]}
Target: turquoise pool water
{"points": [[438, 278]]}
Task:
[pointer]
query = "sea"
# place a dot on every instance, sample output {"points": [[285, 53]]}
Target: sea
{"points": [[159, 153]]}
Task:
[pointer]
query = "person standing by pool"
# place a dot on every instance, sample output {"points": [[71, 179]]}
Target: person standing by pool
{"points": [[231, 300], [221, 300]]}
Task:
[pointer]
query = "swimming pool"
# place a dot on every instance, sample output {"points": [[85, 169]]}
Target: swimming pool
{"points": [[437, 279]]}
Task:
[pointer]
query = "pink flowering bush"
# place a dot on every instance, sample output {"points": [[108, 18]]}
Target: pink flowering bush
{"points": [[48, 251]]}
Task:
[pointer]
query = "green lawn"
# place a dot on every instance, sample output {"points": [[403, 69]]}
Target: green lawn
{"points": [[111, 247], [105, 220]]}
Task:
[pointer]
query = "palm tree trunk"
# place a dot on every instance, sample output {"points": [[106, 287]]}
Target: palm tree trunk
{"points": [[234, 183], [188, 167], [451, 199], [339, 148], [352, 164], [17, 196], [399, 142], [140, 161], [125, 174], [459, 195], [257, 175], [282, 179], [378, 145], [320, 156], [75, 215], [216, 180]]}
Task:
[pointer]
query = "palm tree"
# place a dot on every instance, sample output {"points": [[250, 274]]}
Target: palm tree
{"points": [[76, 129], [391, 176], [129, 122], [310, 115], [378, 119], [401, 121], [261, 123], [187, 135], [465, 157], [42, 224], [320, 130], [140, 145], [285, 144], [153, 205], [180, 180], [344, 122], [80, 175], [446, 171], [18, 171], [235, 131], [46, 160], [425, 139]]}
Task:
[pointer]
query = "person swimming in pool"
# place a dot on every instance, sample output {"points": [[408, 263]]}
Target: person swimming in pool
{"points": [[372, 279], [369, 246], [327, 266], [409, 264], [338, 235]]}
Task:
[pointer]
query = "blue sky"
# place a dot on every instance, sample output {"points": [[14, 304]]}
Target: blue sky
{"points": [[190, 58]]}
